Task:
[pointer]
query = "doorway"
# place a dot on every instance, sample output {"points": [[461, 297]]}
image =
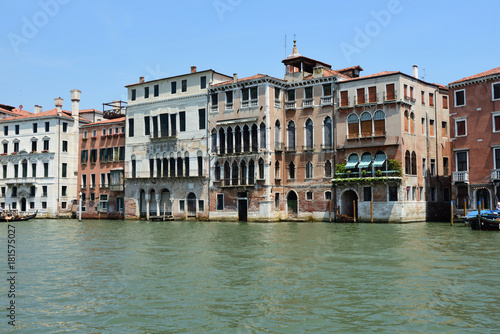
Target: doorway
{"points": [[349, 203], [191, 201], [292, 204]]}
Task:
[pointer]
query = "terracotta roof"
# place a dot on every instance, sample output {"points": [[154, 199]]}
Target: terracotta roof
{"points": [[479, 75], [253, 77], [107, 121], [328, 73], [87, 111], [48, 113], [357, 67], [379, 74]]}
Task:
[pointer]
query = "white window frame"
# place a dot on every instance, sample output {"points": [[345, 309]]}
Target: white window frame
{"points": [[94, 133], [496, 147], [312, 195], [331, 197], [456, 127], [456, 159], [217, 202], [455, 98], [104, 132], [85, 134], [493, 114], [103, 203], [493, 90]]}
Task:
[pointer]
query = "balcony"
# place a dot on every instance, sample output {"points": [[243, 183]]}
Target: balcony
{"points": [[495, 175], [278, 147], [214, 108], [290, 105], [116, 187], [277, 104], [249, 103], [307, 148], [460, 177], [19, 181], [158, 137], [235, 182], [308, 103], [326, 100], [290, 148], [229, 107], [327, 147]]}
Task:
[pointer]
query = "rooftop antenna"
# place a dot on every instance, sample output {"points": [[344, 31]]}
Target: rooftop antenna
{"points": [[423, 74], [285, 45]]}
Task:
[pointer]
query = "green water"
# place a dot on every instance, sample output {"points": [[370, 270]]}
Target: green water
{"points": [[209, 277]]}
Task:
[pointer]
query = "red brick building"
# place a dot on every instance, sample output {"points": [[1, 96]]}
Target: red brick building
{"points": [[475, 128]]}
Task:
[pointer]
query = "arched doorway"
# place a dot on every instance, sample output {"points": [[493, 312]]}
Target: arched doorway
{"points": [[191, 204], [483, 197], [292, 204], [23, 205], [152, 203], [142, 204], [165, 203], [349, 200]]}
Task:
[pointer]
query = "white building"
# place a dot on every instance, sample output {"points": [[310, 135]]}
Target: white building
{"points": [[39, 159], [166, 156]]}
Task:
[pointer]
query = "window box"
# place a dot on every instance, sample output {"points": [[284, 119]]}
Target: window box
{"points": [[115, 134], [45, 151], [13, 153], [33, 152], [4, 154], [122, 134], [93, 137]]}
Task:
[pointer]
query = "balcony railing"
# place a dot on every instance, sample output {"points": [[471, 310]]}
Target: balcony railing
{"points": [[307, 103], [327, 146], [229, 107], [116, 187], [495, 174], [460, 177], [290, 105], [277, 103], [19, 180], [307, 148], [158, 136], [290, 148], [214, 108], [278, 147], [326, 100]]}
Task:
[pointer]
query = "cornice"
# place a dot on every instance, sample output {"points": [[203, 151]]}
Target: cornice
{"points": [[167, 100], [475, 81]]}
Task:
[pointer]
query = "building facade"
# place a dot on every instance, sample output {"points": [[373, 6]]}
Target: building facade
{"points": [[167, 166], [475, 128], [101, 168], [39, 160]]}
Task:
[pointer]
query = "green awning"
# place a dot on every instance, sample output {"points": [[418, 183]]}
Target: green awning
{"points": [[379, 160], [353, 161], [366, 160]]}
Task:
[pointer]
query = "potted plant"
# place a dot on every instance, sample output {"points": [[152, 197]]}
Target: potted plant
{"points": [[379, 173]]}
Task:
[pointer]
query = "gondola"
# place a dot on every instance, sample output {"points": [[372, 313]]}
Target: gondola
{"points": [[7, 217], [487, 221]]}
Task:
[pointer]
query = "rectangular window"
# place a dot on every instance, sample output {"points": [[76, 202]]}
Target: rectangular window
{"points": [[103, 180], [47, 126], [5, 148], [367, 194], [6, 130], [431, 127], [173, 87], [45, 169], [276, 201], [201, 205], [33, 169], [35, 127], [65, 127], [328, 195], [344, 98], [34, 145], [16, 147], [181, 205], [444, 129], [390, 92], [309, 195], [184, 84], [85, 134], [411, 94], [134, 94], [122, 153], [446, 167], [290, 94], [277, 93], [203, 84], [372, 94], [182, 121], [103, 203], [229, 99], [308, 92], [65, 146], [460, 98], [445, 102], [64, 170], [120, 204], [131, 127], [220, 202], [405, 91], [93, 156], [422, 96], [146, 92], [462, 163], [92, 180], [4, 171], [461, 127], [431, 99], [393, 193], [147, 129], [360, 92], [433, 167], [44, 205], [201, 119], [327, 90], [495, 88], [16, 129], [156, 89], [64, 190], [84, 181]]}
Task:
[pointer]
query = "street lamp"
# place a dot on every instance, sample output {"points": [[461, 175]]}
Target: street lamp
{"points": [[80, 208]]}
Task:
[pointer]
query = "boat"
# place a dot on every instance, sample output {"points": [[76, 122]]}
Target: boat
{"points": [[486, 220], [13, 216]]}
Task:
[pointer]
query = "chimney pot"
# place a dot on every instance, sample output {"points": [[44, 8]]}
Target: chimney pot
{"points": [[415, 71], [235, 77], [141, 79], [75, 94], [38, 109], [193, 69]]}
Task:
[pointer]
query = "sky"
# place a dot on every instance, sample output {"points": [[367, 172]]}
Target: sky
{"points": [[49, 47]]}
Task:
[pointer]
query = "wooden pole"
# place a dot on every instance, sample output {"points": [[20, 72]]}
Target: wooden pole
{"points": [[164, 209], [465, 206], [354, 210], [330, 210], [451, 218], [371, 210]]}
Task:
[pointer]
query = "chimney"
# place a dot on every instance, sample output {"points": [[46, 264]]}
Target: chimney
{"points": [[193, 69], [141, 79], [58, 102], [38, 109], [235, 77], [415, 71], [75, 103]]}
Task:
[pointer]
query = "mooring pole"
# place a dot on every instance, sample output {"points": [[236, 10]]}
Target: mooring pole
{"points": [[371, 210], [330, 210], [354, 210], [465, 206], [451, 218]]}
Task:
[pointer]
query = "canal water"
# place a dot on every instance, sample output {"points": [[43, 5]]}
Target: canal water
{"points": [[210, 277]]}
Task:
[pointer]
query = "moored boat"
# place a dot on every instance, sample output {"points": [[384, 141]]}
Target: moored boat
{"points": [[12, 216], [488, 221]]}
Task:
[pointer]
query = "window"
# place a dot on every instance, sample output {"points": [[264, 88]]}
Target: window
{"points": [[379, 123], [182, 121], [431, 127], [16, 147], [308, 93], [121, 153], [3, 192], [390, 92], [366, 124], [372, 94], [103, 180], [203, 85], [156, 89], [353, 125], [276, 201], [35, 127], [444, 129], [446, 167], [94, 133], [85, 134], [34, 145], [290, 95], [367, 194], [33, 169], [173, 87], [309, 195], [201, 119], [277, 94], [497, 158], [147, 126], [327, 133], [14, 192], [261, 169], [173, 124], [65, 146], [277, 172], [229, 100], [155, 126], [309, 170], [93, 156], [103, 202], [462, 161], [47, 126], [328, 168], [422, 96], [405, 91], [84, 181], [461, 126], [134, 94], [16, 129], [164, 124], [6, 130], [431, 99], [291, 136], [411, 94], [16, 170], [406, 121], [495, 88], [344, 98], [182, 205], [130, 127], [328, 195], [423, 126], [460, 98], [45, 169], [92, 180], [360, 96], [65, 127], [393, 193], [64, 170], [327, 89], [262, 135], [200, 164], [146, 92], [220, 201], [184, 84], [5, 148], [4, 171], [309, 134], [433, 167], [44, 205], [433, 194], [445, 102], [64, 190], [412, 123], [291, 170], [215, 101], [134, 168]]}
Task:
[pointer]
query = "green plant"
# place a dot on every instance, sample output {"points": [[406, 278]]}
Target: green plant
{"points": [[340, 168], [364, 172], [379, 173], [393, 164], [348, 173]]}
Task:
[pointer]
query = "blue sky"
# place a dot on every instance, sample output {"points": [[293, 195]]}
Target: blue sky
{"points": [[49, 47]]}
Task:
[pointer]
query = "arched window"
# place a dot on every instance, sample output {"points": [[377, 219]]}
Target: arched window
{"points": [[309, 134], [133, 164], [24, 165], [234, 174], [379, 123], [262, 135], [200, 163], [172, 166], [277, 173], [406, 120], [328, 168], [412, 123], [214, 141], [277, 135], [407, 163], [291, 170], [255, 147], [379, 161], [366, 124], [291, 136], [179, 167], [158, 165], [353, 125], [366, 160], [217, 171], [309, 170], [165, 165], [251, 172], [413, 163], [151, 166], [229, 140], [237, 139], [222, 141], [227, 174], [246, 139], [186, 163], [243, 172], [327, 133], [261, 169]]}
